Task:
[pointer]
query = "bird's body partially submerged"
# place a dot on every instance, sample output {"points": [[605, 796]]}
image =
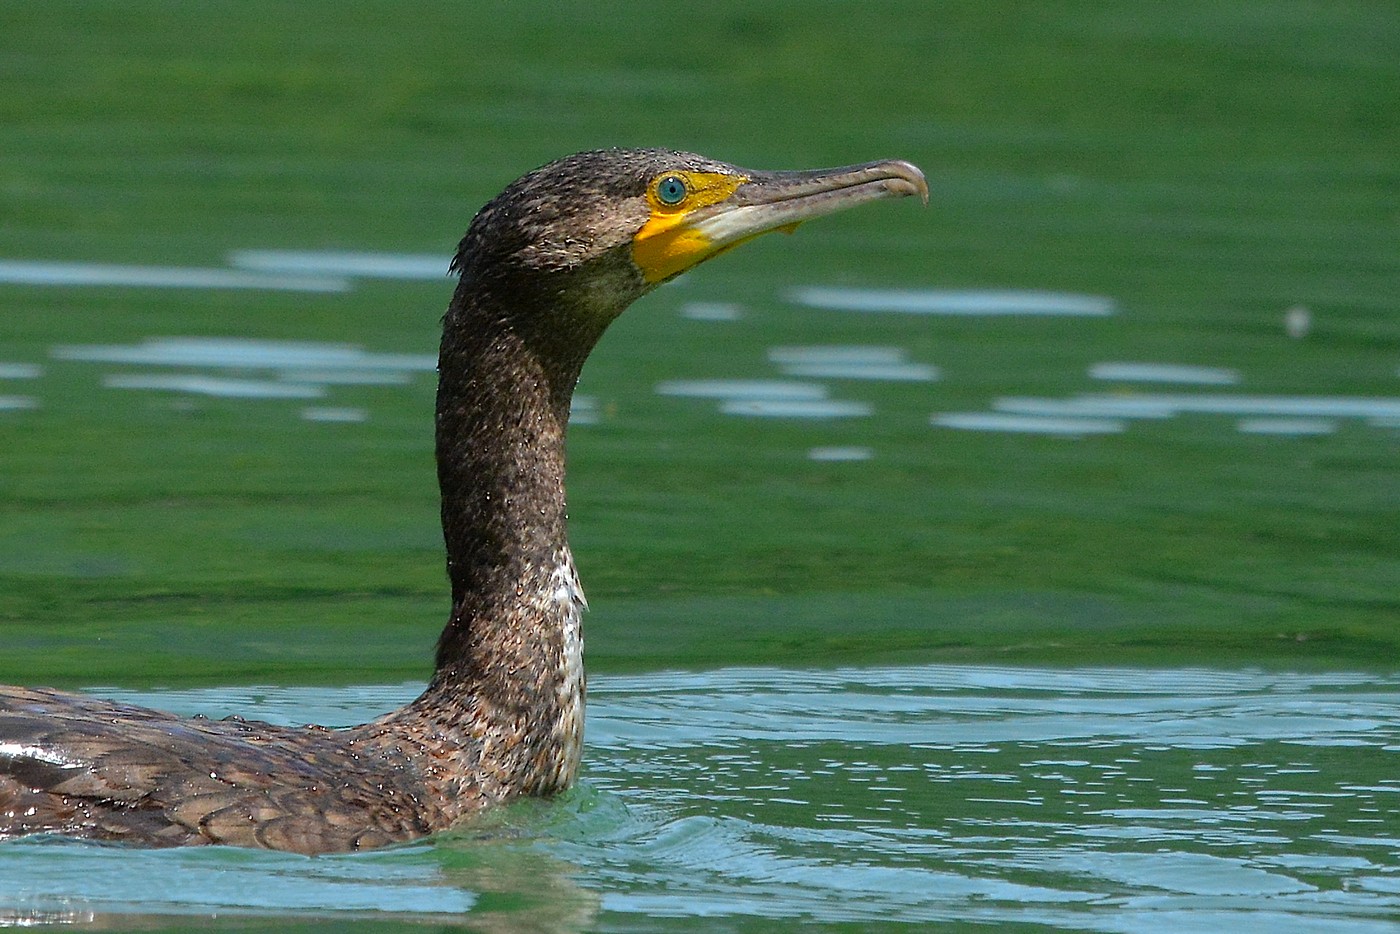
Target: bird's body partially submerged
{"points": [[545, 267]]}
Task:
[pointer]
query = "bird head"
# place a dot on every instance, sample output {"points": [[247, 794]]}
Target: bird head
{"points": [[603, 228]]}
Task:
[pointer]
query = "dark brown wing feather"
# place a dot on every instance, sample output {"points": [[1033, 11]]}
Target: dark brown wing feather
{"points": [[82, 766]]}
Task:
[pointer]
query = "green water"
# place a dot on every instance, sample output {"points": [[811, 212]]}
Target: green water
{"points": [[1203, 166]]}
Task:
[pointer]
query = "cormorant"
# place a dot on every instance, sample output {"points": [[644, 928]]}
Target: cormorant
{"points": [[544, 268]]}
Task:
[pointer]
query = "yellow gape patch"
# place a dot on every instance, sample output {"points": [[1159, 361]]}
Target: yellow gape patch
{"points": [[667, 244]]}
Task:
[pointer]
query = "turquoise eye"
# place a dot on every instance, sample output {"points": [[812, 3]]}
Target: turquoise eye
{"points": [[671, 190]]}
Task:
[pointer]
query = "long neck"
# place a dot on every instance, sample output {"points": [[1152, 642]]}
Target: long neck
{"points": [[502, 410], [509, 684]]}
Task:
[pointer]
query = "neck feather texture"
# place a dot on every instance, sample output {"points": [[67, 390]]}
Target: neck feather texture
{"points": [[511, 656], [502, 412]]}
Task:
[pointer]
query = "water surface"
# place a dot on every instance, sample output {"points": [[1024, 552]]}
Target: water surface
{"points": [[758, 799]]}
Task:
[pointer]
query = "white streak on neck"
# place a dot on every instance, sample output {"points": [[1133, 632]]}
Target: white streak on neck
{"points": [[570, 604]]}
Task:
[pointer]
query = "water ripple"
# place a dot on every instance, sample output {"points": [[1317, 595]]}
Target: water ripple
{"points": [[1083, 799]]}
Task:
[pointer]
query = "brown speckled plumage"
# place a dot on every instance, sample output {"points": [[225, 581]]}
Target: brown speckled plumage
{"points": [[545, 267]]}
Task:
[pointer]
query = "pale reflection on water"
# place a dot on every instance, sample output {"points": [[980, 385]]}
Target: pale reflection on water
{"points": [[1104, 799]]}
